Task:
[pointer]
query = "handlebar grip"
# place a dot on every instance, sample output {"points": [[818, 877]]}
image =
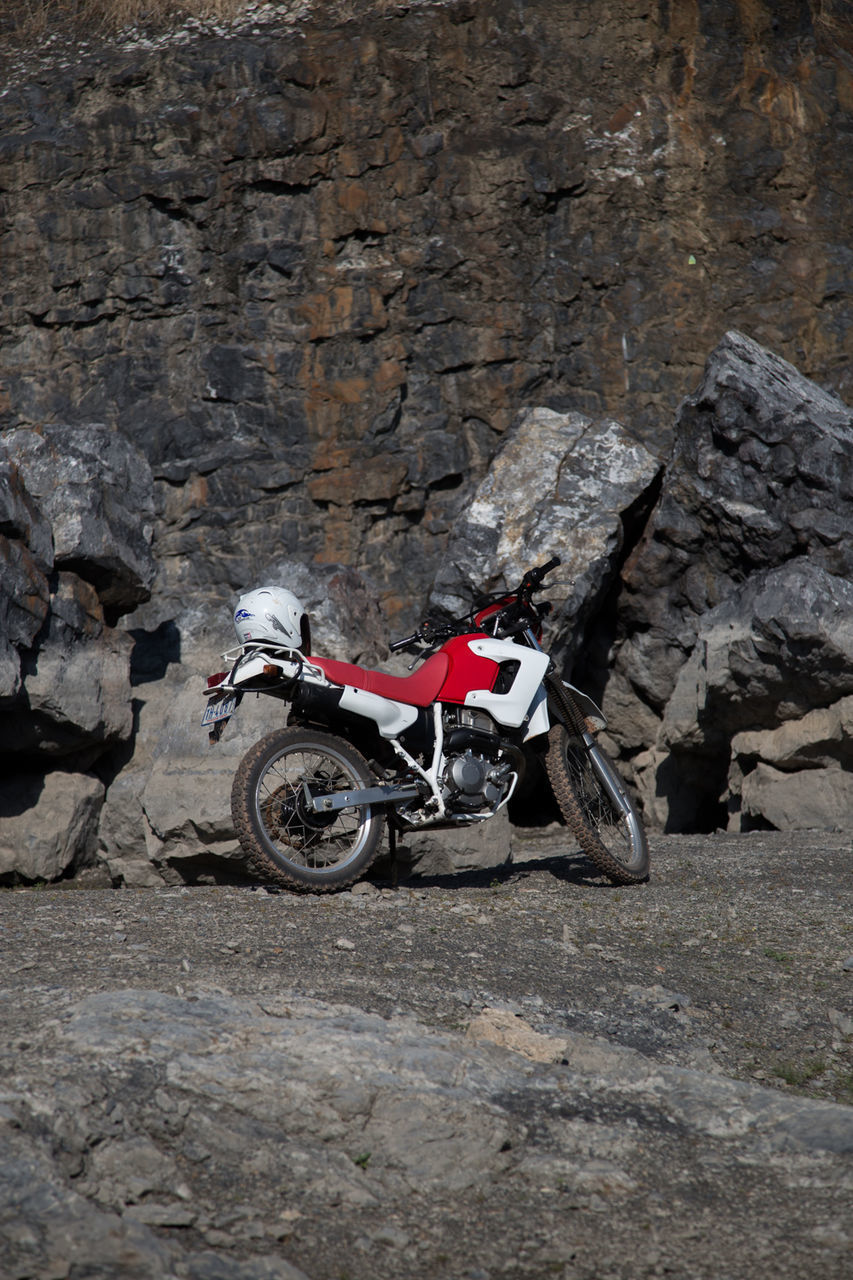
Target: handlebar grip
{"points": [[396, 645], [534, 576]]}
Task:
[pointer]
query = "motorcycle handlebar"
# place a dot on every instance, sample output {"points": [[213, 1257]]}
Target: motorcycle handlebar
{"points": [[534, 576], [531, 579], [429, 632]]}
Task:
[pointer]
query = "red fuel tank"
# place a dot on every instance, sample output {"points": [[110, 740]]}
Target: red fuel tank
{"points": [[467, 670]]}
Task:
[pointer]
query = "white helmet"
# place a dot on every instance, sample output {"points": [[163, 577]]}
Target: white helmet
{"points": [[272, 613]]}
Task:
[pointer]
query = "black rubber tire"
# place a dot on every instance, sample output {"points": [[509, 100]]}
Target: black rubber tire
{"points": [[283, 841], [615, 842]]}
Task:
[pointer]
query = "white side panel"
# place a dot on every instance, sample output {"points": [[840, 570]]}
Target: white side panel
{"points": [[391, 718], [509, 708]]}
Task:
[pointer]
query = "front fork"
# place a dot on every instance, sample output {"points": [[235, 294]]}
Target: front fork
{"points": [[608, 779]]}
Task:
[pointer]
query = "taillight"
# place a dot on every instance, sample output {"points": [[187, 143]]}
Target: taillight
{"points": [[213, 681]]}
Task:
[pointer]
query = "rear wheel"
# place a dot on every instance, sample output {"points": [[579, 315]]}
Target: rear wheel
{"points": [[285, 839], [597, 808]]}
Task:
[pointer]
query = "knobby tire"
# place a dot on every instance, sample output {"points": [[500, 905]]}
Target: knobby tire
{"points": [[284, 841], [615, 842]]}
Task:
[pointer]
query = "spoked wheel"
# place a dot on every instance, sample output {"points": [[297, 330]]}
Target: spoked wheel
{"points": [[285, 838], [597, 808]]}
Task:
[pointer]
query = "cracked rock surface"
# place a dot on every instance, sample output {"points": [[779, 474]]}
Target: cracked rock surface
{"points": [[520, 1071]]}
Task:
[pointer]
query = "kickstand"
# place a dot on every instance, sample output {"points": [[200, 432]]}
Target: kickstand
{"points": [[392, 853]]}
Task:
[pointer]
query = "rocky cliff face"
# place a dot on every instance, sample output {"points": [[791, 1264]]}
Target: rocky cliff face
{"points": [[707, 603], [313, 267], [361, 304]]}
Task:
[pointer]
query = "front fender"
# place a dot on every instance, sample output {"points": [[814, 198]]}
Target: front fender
{"points": [[590, 710]]}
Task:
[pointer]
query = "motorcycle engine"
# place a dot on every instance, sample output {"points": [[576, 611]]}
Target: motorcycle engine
{"points": [[475, 776]]}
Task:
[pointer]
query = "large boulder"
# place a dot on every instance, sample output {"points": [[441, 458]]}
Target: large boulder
{"points": [[48, 824], [736, 607], [812, 799], [76, 695], [780, 646], [562, 484], [169, 818], [26, 556], [799, 776], [76, 514], [761, 472], [96, 491]]}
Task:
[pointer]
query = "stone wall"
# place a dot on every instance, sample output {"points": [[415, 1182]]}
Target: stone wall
{"points": [[313, 265]]}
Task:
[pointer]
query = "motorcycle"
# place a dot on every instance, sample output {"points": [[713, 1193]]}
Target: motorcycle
{"points": [[482, 711]]}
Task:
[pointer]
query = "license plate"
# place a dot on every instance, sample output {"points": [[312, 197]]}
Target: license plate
{"points": [[221, 710]]}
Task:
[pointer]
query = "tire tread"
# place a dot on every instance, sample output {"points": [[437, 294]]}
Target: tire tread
{"points": [[576, 820], [265, 867]]}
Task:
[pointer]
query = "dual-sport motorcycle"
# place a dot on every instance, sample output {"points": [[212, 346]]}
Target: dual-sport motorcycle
{"points": [[482, 713]]}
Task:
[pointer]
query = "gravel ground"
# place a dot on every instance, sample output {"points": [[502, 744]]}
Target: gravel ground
{"points": [[735, 961], [740, 947]]}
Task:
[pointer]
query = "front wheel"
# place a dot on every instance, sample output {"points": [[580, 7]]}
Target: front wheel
{"points": [[283, 836], [597, 808]]}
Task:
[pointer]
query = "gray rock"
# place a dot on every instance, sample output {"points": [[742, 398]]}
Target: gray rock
{"points": [[75, 698], [797, 776], [49, 1229], [812, 799], [24, 604], [628, 715], [48, 824], [26, 557], [76, 512], [445, 852], [360, 1111], [735, 615], [95, 489], [821, 737], [842, 1024], [20, 516], [562, 484], [222, 1050], [761, 456], [168, 813], [213, 1058], [779, 646], [122, 845]]}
